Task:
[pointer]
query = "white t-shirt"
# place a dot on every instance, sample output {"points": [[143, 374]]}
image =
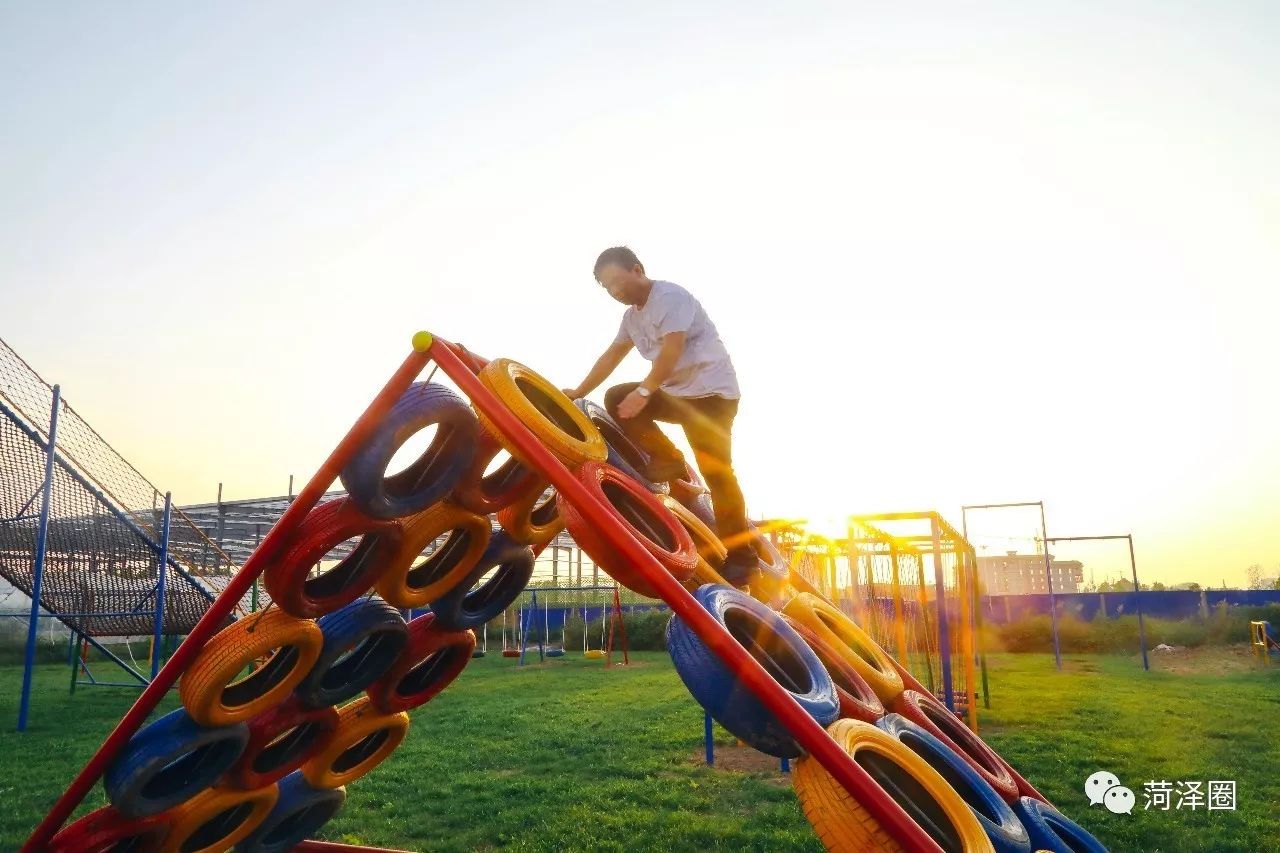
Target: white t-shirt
{"points": [[704, 368]]}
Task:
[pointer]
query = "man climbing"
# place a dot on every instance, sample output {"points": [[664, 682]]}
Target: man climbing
{"points": [[692, 383]]}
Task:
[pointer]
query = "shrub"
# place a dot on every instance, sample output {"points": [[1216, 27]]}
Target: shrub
{"points": [[1225, 625], [646, 630]]}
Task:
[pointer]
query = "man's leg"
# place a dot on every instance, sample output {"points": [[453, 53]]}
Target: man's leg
{"points": [[643, 431], [709, 427]]}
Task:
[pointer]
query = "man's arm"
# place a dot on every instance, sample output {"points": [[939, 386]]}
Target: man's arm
{"points": [[605, 365], [665, 363], [672, 347]]}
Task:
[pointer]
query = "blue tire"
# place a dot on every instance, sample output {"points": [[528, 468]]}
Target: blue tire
{"points": [[1002, 826], [434, 474], [462, 607], [1051, 830], [170, 761], [702, 507], [361, 642], [624, 454], [773, 643], [772, 563], [299, 811]]}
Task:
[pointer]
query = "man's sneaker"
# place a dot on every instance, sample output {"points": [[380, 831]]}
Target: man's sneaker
{"points": [[740, 566], [659, 471]]}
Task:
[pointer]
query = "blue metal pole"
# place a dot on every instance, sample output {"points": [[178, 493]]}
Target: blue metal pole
{"points": [[160, 575], [142, 679], [710, 741], [42, 543]]}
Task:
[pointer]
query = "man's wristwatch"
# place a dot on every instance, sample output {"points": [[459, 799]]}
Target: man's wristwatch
{"points": [[643, 391]]}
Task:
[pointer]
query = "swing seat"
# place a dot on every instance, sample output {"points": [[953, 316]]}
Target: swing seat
{"points": [[593, 654], [511, 653], [478, 653], [555, 653]]}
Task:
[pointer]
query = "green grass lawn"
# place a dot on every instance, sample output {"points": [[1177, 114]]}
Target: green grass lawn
{"points": [[570, 756]]}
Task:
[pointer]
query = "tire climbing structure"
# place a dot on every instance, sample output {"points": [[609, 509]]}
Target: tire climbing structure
{"points": [[282, 709]]}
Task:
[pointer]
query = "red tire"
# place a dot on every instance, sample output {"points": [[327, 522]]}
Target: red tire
{"points": [[857, 700], [486, 494], [642, 512], [939, 721], [328, 526], [105, 830], [688, 488], [280, 741], [433, 659]]}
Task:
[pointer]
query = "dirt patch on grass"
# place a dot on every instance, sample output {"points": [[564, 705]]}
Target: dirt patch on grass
{"points": [[744, 759], [1209, 660]]}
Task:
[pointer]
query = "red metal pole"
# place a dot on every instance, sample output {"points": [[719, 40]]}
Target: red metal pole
{"points": [[622, 627], [331, 847], [805, 729], [211, 622]]}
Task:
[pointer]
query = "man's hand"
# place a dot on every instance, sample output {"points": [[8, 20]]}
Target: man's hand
{"points": [[632, 405], [571, 393]]}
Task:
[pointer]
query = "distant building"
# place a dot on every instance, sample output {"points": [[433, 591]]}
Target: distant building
{"points": [[1023, 574]]}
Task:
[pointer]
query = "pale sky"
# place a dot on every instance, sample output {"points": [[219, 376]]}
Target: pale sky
{"points": [[962, 253]]}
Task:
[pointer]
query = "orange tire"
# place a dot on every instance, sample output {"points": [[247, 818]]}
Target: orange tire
{"points": [[211, 689], [407, 583], [532, 521], [545, 410], [217, 819], [839, 631], [364, 739], [845, 826], [485, 494]]}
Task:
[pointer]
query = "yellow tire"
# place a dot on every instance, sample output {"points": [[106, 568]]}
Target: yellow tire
{"points": [[545, 410], [593, 654], [711, 551], [709, 546], [854, 645], [845, 826], [704, 574], [408, 583], [212, 690], [364, 739], [217, 819], [530, 522]]}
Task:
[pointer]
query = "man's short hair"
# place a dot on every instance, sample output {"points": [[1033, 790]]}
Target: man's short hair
{"points": [[620, 255]]}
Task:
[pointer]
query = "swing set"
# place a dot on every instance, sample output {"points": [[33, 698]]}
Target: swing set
{"points": [[570, 603]]}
